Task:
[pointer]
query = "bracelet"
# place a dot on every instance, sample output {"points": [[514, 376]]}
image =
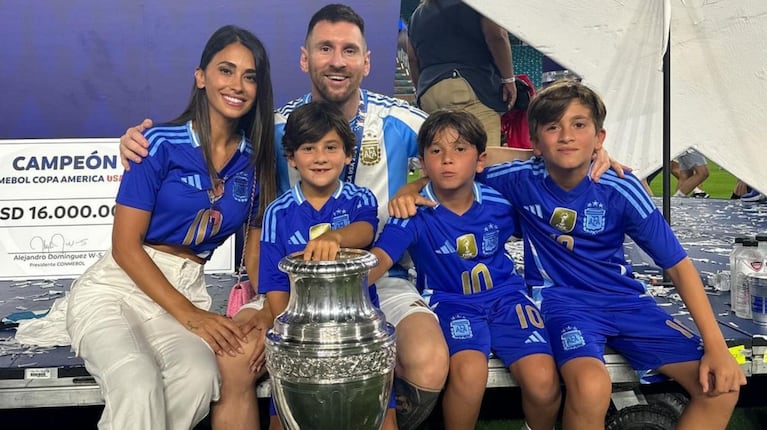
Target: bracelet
{"points": [[508, 80]]}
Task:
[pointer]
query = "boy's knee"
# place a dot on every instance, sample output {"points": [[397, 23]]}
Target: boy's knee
{"points": [[423, 360], [590, 391]]}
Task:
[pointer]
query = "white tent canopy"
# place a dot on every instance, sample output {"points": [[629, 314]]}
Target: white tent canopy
{"points": [[718, 71]]}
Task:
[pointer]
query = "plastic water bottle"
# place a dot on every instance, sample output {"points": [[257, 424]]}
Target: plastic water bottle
{"points": [[761, 239], [737, 247], [748, 261]]}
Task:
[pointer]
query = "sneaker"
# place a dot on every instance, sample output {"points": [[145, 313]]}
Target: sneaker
{"points": [[700, 195], [753, 196]]}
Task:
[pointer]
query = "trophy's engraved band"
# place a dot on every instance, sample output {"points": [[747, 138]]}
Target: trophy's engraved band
{"points": [[347, 367]]}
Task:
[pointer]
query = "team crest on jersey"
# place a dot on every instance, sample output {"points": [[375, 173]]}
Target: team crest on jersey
{"points": [[370, 148], [340, 219], [490, 239], [466, 246], [318, 230], [572, 338], [460, 328], [240, 187], [563, 219], [594, 218]]}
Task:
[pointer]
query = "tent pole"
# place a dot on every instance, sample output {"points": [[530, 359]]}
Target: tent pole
{"points": [[667, 130]]}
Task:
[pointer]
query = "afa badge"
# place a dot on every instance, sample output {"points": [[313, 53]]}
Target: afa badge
{"points": [[594, 218], [318, 230], [572, 338], [370, 149], [240, 187], [490, 239], [340, 219], [460, 328], [563, 219], [466, 246]]}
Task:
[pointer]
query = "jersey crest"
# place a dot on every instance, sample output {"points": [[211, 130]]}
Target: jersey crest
{"points": [[370, 149], [490, 239], [340, 219], [594, 218], [563, 219], [240, 187], [466, 246]]}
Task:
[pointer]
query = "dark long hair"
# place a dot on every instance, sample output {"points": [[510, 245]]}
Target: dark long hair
{"points": [[257, 124]]}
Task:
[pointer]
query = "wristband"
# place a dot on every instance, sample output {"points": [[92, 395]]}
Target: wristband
{"points": [[508, 80]]}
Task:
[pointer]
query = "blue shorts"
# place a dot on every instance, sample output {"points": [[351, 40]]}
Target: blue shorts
{"points": [[506, 323], [647, 337]]}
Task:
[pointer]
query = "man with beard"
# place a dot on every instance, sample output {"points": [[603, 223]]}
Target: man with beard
{"points": [[336, 57]]}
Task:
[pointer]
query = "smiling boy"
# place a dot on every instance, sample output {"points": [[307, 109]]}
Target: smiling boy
{"points": [[574, 231]]}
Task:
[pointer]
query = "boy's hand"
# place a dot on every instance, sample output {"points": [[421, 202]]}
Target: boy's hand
{"points": [[719, 373], [323, 248], [603, 162], [407, 199], [133, 145]]}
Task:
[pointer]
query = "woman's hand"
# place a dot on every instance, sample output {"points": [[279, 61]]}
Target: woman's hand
{"points": [[222, 334]]}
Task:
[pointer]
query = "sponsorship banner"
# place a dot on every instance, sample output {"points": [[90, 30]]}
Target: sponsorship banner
{"points": [[57, 203]]}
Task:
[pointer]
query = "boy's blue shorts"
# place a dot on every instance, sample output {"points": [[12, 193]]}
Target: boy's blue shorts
{"points": [[646, 336], [506, 323]]}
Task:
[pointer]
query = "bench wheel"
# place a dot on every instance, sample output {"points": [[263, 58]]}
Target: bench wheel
{"points": [[642, 417], [675, 402]]}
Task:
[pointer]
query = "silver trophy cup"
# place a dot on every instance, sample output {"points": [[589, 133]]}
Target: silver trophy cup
{"points": [[331, 354]]}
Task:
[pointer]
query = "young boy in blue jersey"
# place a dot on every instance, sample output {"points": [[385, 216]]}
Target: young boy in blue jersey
{"points": [[320, 214], [479, 298], [574, 232]]}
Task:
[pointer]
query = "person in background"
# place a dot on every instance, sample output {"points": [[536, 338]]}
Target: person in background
{"points": [[744, 192], [690, 170], [460, 59], [481, 301], [139, 316]]}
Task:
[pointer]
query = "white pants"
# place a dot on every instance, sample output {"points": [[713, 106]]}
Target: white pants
{"points": [[398, 299], [153, 372]]}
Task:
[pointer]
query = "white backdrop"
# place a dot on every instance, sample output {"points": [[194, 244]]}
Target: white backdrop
{"points": [[718, 71]]}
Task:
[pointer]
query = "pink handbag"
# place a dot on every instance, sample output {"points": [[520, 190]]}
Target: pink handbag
{"points": [[241, 293]]}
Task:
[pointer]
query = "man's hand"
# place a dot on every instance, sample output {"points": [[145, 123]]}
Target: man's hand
{"points": [[510, 94], [221, 333], [133, 145]]}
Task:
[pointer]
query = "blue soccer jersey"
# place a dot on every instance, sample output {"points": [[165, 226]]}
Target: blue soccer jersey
{"points": [[457, 254], [290, 222], [173, 183], [386, 130], [574, 239]]}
